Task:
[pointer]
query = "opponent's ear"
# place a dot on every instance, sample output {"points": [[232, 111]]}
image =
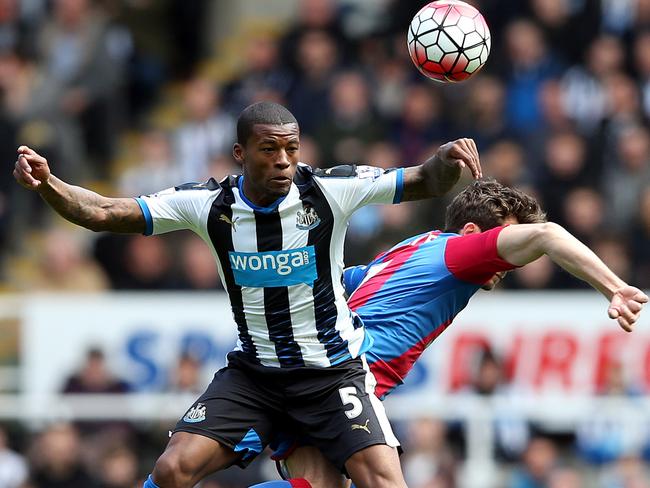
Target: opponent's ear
{"points": [[238, 153], [470, 228]]}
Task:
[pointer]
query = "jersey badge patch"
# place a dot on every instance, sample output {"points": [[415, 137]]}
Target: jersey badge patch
{"points": [[307, 219], [368, 172], [195, 414]]}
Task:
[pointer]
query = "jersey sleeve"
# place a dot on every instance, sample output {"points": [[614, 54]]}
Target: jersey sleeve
{"points": [[352, 277], [474, 257], [176, 208], [353, 187]]}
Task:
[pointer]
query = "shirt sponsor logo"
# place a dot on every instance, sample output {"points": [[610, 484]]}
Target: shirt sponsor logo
{"points": [[307, 219], [274, 268]]}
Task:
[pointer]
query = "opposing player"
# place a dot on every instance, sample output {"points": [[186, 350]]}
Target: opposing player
{"points": [[277, 233], [409, 295]]}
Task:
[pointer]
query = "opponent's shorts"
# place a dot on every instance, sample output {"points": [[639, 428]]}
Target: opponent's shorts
{"points": [[246, 405]]}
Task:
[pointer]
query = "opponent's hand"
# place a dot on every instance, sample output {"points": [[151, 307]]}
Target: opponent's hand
{"points": [[626, 305], [31, 169], [462, 152]]}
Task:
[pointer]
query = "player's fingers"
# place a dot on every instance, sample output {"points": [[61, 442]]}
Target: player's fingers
{"points": [[25, 180], [35, 158], [472, 144], [626, 313], [25, 150], [461, 153], [613, 313], [634, 306], [472, 158], [23, 164], [625, 325], [641, 297]]}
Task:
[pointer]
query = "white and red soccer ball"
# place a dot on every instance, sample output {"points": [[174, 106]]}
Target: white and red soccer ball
{"points": [[448, 41]]}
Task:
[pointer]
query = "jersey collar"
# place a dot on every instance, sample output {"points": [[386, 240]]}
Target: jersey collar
{"points": [[272, 207]]}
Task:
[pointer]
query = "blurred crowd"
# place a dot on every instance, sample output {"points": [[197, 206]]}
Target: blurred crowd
{"points": [[124, 97], [608, 449]]}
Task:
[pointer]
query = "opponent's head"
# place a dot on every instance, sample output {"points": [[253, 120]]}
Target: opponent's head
{"points": [[486, 204], [268, 142]]}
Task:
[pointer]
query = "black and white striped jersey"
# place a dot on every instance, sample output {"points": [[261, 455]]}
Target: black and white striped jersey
{"points": [[281, 265]]}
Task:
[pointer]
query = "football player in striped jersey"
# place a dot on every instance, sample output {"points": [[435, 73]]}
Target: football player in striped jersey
{"points": [[277, 233]]}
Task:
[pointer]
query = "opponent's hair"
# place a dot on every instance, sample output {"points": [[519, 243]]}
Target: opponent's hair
{"points": [[487, 203], [261, 113]]}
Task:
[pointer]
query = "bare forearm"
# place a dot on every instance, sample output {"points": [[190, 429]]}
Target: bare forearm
{"points": [[91, 210], [433, 178], [523, 244], [572, 255]]}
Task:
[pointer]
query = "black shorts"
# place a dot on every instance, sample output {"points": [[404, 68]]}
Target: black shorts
{"points": [[246, 405]]}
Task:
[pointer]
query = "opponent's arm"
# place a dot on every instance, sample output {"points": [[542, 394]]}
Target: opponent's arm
{"points": [[438, 174], [522, 244], [78, 205]]}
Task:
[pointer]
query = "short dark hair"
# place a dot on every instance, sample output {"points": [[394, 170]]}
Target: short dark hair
{"points": [[262, 113], [487, 203]]}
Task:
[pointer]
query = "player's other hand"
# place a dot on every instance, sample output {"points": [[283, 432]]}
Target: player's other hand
{"points": [[626, 305], [31, 169], [462, 152]]}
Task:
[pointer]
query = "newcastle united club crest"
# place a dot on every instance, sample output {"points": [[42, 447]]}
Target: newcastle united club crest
{"points": [[307, 218]]}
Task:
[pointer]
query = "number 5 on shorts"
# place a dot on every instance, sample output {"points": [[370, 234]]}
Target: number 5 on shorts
{"points": [[349, 397]]}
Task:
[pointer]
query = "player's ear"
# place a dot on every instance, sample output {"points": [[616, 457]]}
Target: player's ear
{"points": [[470, 228], [238, 153]]}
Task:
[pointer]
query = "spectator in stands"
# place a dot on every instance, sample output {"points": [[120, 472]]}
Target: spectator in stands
{"points": [[83, 73], [154, 168], [504, 161], [65, 266], [540, 459], [583, 213], [609, 432], [262, 73], [56, 459], [317, 61], [429, 459], [186, 376], [198, 269], [344, 136], [489, 380], [13, 466], [206, 132], [565, 167], [419, 123], [119, 469], [147, 264], [566, 477], [584, 90], [94, 377], [484, 118], [530, 65], [641, 241], [627, 175]]}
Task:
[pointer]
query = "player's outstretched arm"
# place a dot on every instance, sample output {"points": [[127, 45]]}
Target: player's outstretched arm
{"points": [[78, 205], [522, 244], [437, 175]]}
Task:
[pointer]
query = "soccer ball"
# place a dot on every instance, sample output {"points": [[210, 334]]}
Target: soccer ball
{"points": [[448, 41]]}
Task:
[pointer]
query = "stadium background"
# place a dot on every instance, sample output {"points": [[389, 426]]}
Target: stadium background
{"points": [[129, 97]]}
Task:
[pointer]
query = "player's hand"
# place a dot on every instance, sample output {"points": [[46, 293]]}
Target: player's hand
{"points": [[626, 306], [462, 152], [31, 169]]}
